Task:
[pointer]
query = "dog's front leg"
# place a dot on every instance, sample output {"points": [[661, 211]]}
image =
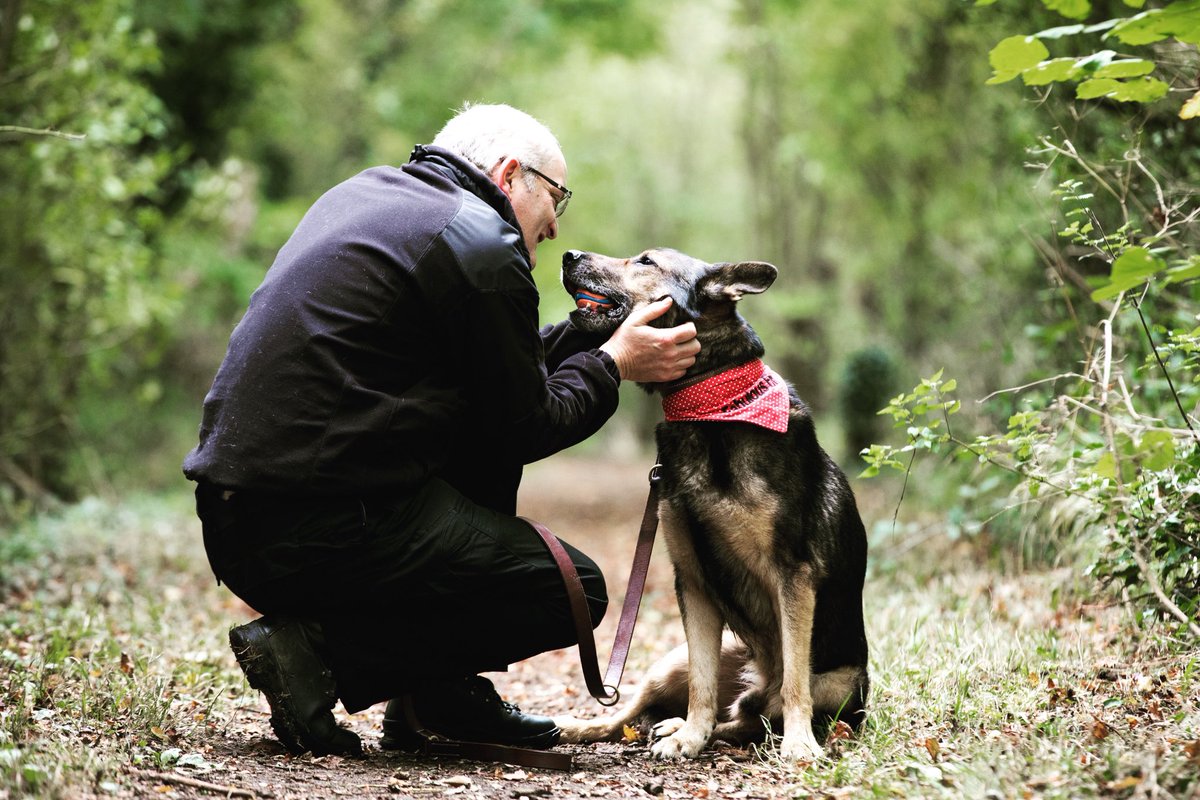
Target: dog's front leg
{"points": [[702, 624], [798, 601]]}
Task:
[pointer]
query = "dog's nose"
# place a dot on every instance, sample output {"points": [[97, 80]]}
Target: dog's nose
{"points": [[572, 257]]}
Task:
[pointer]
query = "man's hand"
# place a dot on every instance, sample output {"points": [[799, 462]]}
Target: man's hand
{"points": [[652, 355]]}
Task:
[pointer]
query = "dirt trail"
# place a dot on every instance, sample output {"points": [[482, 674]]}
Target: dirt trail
{"points": [[602, 519]]}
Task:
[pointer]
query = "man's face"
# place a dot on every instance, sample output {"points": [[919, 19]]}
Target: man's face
{"points": [[534, 206]]}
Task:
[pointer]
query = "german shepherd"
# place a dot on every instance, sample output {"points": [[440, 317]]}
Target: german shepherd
{"points": [[761, 527]]}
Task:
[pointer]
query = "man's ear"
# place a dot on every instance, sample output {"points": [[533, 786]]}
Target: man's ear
{"points": [[731, 281], [504, 173]]}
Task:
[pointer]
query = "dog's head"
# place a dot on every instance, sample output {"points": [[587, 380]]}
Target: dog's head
{"points": [[607, 289]]}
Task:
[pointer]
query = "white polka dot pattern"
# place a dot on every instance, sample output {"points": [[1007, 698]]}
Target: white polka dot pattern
{"points": [[752, 392]]}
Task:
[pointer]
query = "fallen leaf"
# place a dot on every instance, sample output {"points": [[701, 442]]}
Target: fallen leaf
{"points": [[1192, 751], [631, 734], [1129, 782], [933, 748], [519, 775], [1100, 730], [839, 732], [458, 780]]}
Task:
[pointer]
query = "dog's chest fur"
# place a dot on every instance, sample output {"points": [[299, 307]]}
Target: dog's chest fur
{"points": [[721, 514]]}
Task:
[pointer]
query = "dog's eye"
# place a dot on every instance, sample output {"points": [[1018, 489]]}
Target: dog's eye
{"points": [[645, 259]]}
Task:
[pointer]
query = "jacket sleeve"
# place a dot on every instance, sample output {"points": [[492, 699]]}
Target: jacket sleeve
{"points": [[538, 410], [563, 340]]}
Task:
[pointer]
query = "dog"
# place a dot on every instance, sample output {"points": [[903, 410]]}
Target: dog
{"points": [[760, 524]]}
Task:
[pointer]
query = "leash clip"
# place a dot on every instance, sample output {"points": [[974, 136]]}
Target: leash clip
{"points": [[656, 473]]}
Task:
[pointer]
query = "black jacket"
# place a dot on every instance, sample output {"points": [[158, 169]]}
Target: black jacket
{"points": [[396, 338]]}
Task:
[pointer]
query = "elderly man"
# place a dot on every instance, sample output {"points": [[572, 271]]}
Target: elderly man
{"points": [[362, 443]]}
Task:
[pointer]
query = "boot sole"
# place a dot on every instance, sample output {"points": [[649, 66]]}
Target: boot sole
{"points": [[410, 742]]}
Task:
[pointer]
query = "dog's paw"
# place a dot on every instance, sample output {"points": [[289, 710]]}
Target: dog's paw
{"points": [[802, 747], [667, 727], [687, 742]]}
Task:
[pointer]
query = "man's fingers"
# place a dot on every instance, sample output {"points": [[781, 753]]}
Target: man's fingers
{"points": [[684, 333], [649, 312]]}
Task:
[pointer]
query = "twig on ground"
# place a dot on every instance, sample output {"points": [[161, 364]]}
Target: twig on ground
{"points": [[196, 783]]}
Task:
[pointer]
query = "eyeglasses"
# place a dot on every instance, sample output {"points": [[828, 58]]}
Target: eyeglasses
{"points": [[560, 205]]}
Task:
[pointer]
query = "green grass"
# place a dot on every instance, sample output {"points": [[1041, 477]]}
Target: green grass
{"points": [[113, 655], [106, 657]]}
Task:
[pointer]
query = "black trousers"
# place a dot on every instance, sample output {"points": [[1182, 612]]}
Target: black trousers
{"points": [[409, 589]]}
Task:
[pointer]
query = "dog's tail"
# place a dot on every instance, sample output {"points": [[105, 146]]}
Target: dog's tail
{"points": [[662, 694]]}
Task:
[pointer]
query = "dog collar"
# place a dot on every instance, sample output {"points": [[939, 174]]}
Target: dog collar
{"points": [[751, 392]]}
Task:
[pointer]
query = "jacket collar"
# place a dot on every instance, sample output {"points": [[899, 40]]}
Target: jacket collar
{"points": [[471, 179]]}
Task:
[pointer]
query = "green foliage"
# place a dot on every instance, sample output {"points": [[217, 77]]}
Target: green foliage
{"points": [[1101, 74], [78, 220]]}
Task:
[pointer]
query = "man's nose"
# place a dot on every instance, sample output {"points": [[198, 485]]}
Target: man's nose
{"points": [[572, 257]]}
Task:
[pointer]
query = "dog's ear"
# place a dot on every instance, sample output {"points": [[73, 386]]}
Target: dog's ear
{"points": [[731, 281]]}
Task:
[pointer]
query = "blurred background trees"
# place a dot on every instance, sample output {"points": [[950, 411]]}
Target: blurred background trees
{"points": [[913, 209]]}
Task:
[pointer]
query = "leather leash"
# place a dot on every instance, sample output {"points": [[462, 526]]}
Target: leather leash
{"points": [[605, 689]]}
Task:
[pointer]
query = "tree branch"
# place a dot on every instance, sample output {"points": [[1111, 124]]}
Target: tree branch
{"points": [[74, 137]]}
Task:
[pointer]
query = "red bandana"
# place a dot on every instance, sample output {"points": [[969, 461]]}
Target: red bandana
{"points": [[749, 393]]}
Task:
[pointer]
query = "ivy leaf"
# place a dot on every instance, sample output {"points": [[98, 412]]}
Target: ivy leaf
{"points": [[1126, 68], [1052, 71], [1106, 467], [1191, 109], [1014, 55], [1132, 268], [1072, 9]]}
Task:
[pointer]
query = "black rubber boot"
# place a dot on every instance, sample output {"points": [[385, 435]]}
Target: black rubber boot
{"points": [[280, 658], [469, 710]]}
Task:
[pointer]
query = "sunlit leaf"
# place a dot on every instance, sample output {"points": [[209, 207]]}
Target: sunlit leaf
{"points": [[1179, 19], [1126, 68], [1072, 9], [1014, 55], [1106, 467], [1191, 109], [1096, 87], [1132, 268], [1146, 90], [1052, 71]]}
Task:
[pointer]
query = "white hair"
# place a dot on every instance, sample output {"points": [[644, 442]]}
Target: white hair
{"points": [[487, 134]]}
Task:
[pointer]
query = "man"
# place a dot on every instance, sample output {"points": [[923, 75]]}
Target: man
{"points": [[363, 440]]}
